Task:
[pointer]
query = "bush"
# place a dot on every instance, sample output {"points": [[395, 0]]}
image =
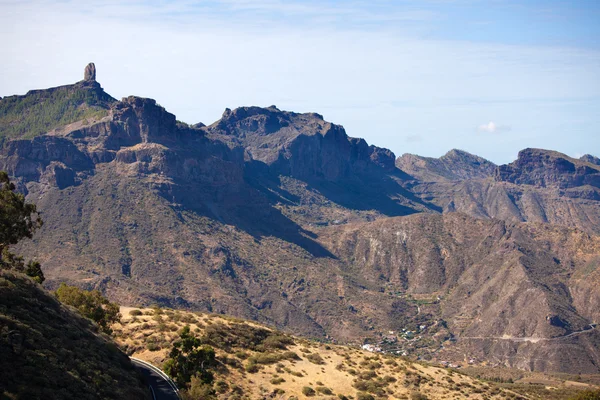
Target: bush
{"points": [[324, 390], [364, 396], [315, 359], [308, 391], [153, 346], [277, 381], [244, 336], [251, 367], [188, 358], [277, 342], [587, 395], [135, 312], [365, 375], [91, 305], [418, 396]]}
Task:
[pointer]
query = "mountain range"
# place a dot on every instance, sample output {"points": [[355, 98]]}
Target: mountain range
{"points": [[283, 218]]}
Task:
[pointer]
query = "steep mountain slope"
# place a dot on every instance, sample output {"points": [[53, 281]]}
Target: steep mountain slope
{"points": [[540, 186], [489, 280], [53, 352], [282, 218]]}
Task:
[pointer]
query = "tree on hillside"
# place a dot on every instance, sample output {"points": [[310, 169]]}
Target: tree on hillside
{"points": [[190, 358], [91, 304], [18, 220]]}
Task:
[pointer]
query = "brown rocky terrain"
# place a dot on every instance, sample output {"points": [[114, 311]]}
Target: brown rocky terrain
{"points": [[456, 165], [282, 218], [540, 186]]}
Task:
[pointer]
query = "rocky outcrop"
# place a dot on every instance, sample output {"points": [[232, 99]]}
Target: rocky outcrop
{"points": [[456, 165], [300, 145], [545, 168], [89, 74], [590, 159], [45, 155]]}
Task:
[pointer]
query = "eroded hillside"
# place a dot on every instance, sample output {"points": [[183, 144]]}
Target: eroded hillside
{"points": [[282, 218]]}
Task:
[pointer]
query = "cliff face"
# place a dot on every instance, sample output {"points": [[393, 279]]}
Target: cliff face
{"points": [[303, 146], [548, 169], [282, 218], [540, 186]]}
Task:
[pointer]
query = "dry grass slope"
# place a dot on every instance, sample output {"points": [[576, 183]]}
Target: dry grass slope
{"points": [[276, 365]]}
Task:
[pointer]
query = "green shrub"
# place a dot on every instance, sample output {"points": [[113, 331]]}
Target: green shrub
{"points": [[153, 346], [135, 312], [364, 396], [324, 390], [251, 367], [365, 375], [90, 304], [315, 359], [308, 391], [277, 381]]}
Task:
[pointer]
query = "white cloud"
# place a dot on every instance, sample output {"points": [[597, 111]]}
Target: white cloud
{"points": [[492, 127]]}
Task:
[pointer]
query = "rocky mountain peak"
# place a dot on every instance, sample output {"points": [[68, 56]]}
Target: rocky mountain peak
{"points": [[547, 168], [89, 74], [252, 120], [455, 165], [590, 159]]}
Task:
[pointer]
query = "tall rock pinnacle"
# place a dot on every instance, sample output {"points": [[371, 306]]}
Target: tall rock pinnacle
{"points": [[90, 72]]}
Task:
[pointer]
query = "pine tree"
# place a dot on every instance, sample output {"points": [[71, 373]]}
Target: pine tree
{"points": [[18, 220]]}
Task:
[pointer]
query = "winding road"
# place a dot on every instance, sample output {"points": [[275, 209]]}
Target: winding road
{"points": [[587, 329], [161, 386]]}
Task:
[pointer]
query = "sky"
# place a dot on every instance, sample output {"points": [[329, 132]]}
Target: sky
{"points": [[416, 76]]}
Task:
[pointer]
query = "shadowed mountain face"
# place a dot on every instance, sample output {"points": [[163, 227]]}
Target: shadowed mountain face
{"points": [[282, 218], [50, 352], [544, 168]]}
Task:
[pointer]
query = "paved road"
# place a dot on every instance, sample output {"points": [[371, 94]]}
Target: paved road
{"points": [[161, 386], [588, 328]]}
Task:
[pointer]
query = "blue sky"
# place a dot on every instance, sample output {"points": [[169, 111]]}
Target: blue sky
{"points": [[490, 77]]}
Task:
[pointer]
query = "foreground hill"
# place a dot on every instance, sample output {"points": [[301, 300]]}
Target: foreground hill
{"points": [[255, 361], [282, 218], [51, 352]]}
